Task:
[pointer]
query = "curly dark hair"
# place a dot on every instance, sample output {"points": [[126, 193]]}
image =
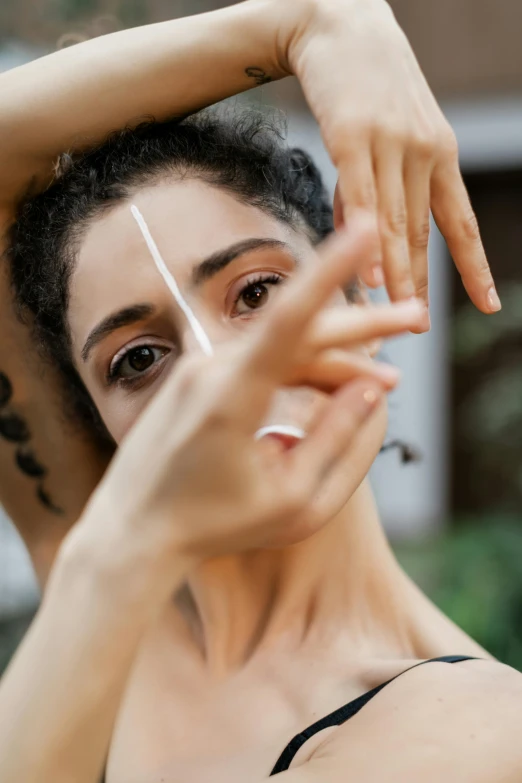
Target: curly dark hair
{"points": [[242, 153]]}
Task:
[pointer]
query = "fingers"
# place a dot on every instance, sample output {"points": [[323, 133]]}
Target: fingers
{"points": [[335, 368], [393, 221], [398, 184], [402, 187], [285, 326], [372, 275], [350, 327], [350, 407], [417, 176], [356, 186], [456, 220], [356, 191]]}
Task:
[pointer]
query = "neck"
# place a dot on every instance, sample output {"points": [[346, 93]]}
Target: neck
{"points": [[343, 581]]}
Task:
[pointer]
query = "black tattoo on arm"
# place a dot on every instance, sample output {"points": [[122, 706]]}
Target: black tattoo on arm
{"points": [[6, 390], [46, 500], [259, 75], [14, 429], [28, 463]]}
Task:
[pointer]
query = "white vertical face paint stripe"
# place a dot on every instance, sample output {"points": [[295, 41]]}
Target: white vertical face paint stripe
{"points": [[199, 333]]}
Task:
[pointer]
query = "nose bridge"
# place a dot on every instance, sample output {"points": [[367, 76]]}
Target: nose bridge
{"points": [[215, 329], [190, 344]]}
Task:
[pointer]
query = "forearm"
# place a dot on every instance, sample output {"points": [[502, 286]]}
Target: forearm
{"points": [[60, 696], [74, 97]]}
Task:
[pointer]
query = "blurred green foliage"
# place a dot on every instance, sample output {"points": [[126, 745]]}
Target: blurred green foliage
{"points": [[487, 354], [473, 572]]}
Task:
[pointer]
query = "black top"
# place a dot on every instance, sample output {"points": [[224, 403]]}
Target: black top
{"points": [[343, 714]]}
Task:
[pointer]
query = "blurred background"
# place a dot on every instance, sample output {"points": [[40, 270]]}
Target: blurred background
{"points": [[455, 518]]}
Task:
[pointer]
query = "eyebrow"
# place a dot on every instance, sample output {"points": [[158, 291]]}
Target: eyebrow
{"points": [[125, 317], [219, 260], [201, 273]]}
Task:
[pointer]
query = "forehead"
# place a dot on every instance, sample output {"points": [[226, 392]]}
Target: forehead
{"points": [[189, 221]]}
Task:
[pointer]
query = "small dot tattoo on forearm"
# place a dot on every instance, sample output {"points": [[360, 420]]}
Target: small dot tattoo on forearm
{"points": [[258, 74]]}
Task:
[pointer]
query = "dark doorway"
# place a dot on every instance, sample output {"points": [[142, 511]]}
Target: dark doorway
{"points": [[486, 427]]}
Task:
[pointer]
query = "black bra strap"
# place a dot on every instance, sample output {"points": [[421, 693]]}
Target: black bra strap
{"points": [[346, 712]]}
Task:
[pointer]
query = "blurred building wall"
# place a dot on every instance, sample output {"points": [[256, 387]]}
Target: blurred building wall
{"points": [[465, 47], [18, 590]]}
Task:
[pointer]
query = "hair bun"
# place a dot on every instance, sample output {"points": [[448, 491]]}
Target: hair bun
{"points": [[302, 167], [308, 189]]}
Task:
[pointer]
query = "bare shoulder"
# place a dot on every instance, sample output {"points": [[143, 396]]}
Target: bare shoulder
{"points": [[437, 722]]}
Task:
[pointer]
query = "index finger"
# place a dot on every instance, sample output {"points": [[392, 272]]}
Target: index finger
{"points": [[456, 220], [341, 258]]}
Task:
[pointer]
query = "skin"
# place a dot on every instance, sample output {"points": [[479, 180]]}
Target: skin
{"points": [[174, 212], [394, 150], [396, 156], [328, 607]]}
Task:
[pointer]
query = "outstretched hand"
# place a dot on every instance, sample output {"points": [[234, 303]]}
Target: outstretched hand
{"points": [[396, 154], [201, 483]]}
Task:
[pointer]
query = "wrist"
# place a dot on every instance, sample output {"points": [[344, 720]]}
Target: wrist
{"points": [[290, 19], [122, 560], [316, 18]]}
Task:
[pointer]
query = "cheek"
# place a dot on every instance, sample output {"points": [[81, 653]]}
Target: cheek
{"points": [[120, 411]]}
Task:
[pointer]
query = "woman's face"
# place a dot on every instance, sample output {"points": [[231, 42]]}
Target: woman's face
{"points": [[229, 260]]}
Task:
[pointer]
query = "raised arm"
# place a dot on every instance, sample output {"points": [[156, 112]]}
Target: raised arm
{"points": [[75, 97], [69, 100], [395, 153]]}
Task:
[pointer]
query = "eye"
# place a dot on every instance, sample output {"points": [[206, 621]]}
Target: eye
{"points": [[255, 294], [134, 363]]}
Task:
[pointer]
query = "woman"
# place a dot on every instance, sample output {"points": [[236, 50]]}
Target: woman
{"points": [[394, 150], [267, 600], [292, 605]]}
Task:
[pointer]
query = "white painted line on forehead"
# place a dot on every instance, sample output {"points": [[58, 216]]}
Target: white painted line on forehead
{"points": [[199, 333], [197, 328]]}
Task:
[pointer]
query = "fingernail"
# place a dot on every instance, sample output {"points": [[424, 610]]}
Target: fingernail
{"points": [[377, 275], [388, 374], [493, 300], [373, 347], [424, 315], [412, 304], [426, 320]]}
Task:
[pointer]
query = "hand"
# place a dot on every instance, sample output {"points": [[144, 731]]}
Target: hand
{"points": [[199, 481], [395, 152]]}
